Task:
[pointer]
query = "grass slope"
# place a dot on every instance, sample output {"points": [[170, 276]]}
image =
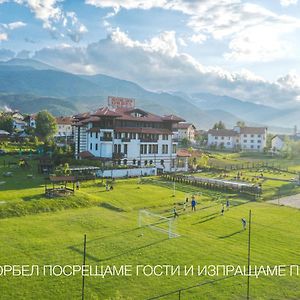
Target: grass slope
{"points": [[114, 239]]}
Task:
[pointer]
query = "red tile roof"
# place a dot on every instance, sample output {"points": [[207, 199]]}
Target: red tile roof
{"points": [[126, 114], [183, 125], [172, 118], [222, 132], [144, 130], [253, 130], [65, 120], [106, 112], [86, 154], [183, 153]]}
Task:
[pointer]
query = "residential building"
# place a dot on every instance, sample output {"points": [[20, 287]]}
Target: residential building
{"points": [[19, 125], [64, 127], [244, 138], [278, 143], [185, 130], [127, 136], [30, 120]]}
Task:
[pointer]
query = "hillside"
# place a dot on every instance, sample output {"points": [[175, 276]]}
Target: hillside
{"points": [[30, 85]]}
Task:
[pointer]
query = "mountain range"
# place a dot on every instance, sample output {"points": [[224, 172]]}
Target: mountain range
{"points": [[29, 86]]}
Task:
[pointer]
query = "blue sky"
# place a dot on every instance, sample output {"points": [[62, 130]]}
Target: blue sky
{"points": [[245, 42]]}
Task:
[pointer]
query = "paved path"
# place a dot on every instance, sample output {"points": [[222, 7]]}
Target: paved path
{"points": [[292, 201]]}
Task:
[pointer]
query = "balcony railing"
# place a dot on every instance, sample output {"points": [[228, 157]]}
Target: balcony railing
{"points": [[106, 139], [125, 140], [148, 140]]}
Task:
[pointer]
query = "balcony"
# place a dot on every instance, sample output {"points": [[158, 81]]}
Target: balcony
{"points": [[106, 138], [125, 140], [148, 140]]}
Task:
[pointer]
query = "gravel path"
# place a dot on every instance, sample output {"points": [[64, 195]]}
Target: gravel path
{"points": [[292, 201]]}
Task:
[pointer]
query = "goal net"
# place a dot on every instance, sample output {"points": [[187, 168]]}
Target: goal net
{"points": [[157, 222]]}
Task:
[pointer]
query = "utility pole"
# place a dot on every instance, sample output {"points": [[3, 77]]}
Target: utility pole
{"points": [[249, 250], [83, 277]]}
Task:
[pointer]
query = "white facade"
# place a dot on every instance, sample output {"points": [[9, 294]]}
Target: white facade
{"points": [[185, 131], [64, 130], [228, 142], [31, 122], [245, 138], [19, 125], [253, 142], [134, 151], [277, 143]]}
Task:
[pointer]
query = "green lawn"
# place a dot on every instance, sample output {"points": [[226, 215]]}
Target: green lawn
{"points": [[113, 238]]}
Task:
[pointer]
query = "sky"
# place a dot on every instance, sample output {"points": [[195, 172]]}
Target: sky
{"points": [[245, 49]]}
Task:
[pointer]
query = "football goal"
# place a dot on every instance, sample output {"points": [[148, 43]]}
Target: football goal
{"points": [[157, 222]]}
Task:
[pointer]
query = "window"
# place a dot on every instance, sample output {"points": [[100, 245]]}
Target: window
{"points": [[96, 147], [146, 162], [134, 162], [245, 135], [228, 143], [165, 137], [165, 149], [96, 135], [259, 136], [91, 146], [139, 163], [252, 141], [91, 134], [252, 135], [162, 162], [216, 137], [258, 147], [245, 141], [125, 148], [151, 162], [222, 137], [174, 149], [258, 141], [252, 146]]}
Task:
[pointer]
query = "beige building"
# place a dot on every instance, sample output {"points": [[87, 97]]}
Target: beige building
{"points": [[185, 130]]}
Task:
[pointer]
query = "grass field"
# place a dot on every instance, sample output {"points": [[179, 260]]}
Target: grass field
{"points": [[113, 238]]}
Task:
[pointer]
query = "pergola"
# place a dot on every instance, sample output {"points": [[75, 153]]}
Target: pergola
{"points": [[59, 186]]}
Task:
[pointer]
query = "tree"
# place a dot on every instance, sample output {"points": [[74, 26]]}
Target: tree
{"points": [[219, 125], [240, 124], [6, 123], [45, 125], [185, 143]]}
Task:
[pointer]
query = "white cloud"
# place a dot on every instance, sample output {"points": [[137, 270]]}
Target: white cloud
{"points": [[288, 2], [53, 17], [14, 25], [3, 36], [157, 64], [246, 26], [127, 4], [198, 38], [5, 28]]}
